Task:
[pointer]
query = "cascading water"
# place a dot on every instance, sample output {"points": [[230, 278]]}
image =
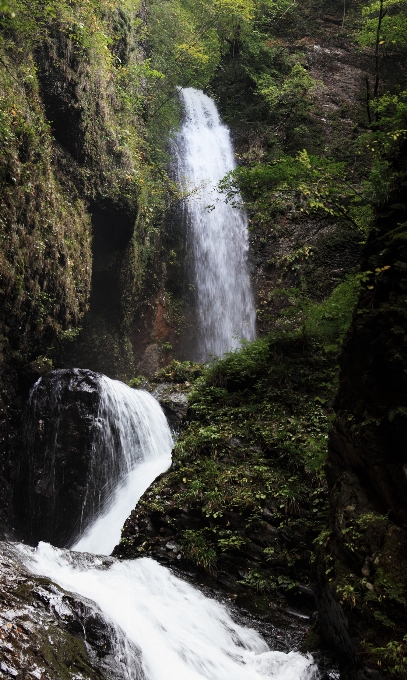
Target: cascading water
{"points": [[163, 628], [134, 432], [217, 231], [89, 447], [174, 632]]}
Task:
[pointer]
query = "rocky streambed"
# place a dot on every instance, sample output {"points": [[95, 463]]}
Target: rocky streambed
{"points": [[47, 633]]}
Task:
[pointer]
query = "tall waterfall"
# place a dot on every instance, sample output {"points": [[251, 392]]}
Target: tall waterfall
{"points": [[217, 231], [164, 629]]}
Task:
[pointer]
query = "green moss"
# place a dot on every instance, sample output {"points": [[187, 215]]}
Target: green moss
{"points": [[66, 655], [256, 439], [44, 232], [179, 372]]}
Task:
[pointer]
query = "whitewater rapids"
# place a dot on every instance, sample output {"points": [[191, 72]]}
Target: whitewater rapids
{"points": [[181, 634]]}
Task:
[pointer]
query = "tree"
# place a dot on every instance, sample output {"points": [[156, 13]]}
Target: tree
{"points": [[384, 28]]}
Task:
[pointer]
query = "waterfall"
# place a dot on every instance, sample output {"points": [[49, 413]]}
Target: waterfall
{"points": [[173, 631], [134, 432], [89, 448], [163, 628], [217, 231]]}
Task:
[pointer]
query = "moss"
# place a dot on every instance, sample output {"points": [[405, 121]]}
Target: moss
{"points": [[66, 655], [179, 372], [78, 161], [247, 470], [45, 232]]}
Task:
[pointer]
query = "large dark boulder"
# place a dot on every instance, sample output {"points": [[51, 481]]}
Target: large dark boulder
{"points": [[54, 457]]}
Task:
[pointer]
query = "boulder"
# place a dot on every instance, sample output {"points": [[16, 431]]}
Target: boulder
{"points": [[53, 457]]}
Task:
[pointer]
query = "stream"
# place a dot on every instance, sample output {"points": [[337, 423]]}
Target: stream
{"points": [[171, 630], [165, 628]]}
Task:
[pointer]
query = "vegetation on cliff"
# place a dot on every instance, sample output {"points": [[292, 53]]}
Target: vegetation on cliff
{"points": [[363, 553], [314, 183], [246, 495], [315, 95]]}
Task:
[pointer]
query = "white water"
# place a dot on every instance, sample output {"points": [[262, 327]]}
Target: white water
{"points": [[132, 425], [104, 532], [217, 237], [160, 623], [182, 634]]}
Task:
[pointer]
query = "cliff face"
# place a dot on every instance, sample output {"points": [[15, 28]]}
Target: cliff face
{"points": [[370, 430], [363, 555], [79, 229]]}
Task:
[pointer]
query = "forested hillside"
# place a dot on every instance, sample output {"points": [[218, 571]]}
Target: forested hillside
{"points": [[289, 471]]}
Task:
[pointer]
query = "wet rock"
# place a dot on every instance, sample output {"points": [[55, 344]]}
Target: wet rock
{"points": [[296, 614], [150, 361], [30, 373], [262, 533], [47, 633], [53, 456], [334, 622], [173, 401], [306, 590]]}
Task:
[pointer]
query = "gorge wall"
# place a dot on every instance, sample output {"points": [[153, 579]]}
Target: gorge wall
{"points": [[92, 269], [363, 553], [81, 200]]}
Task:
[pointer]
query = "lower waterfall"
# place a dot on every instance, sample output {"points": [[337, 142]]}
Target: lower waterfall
{"points": [[89, 447], [142, 436], [167, 629]]}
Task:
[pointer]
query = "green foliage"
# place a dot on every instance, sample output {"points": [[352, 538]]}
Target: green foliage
{"points": [[45, 254], [312, 183], [256, 438], [292, 92], [92, 52], [392, 33], [187, 39], [328, 321], [383, 144], [199, 548], [395, 657], [136, 382], [179, 372], [239, 367]]}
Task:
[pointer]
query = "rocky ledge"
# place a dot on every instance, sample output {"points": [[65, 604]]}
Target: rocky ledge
{"points": [[47, 633]]}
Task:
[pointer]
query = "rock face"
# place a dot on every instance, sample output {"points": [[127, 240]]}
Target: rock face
{"points": [[370, 432], [54, 455], [48, 633], [174, 403], [365, 551]]}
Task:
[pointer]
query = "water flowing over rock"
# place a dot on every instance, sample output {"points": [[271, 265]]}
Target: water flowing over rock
{"points": [[154, 625], [82, 436], [182, 634], [217, 231], [49, 634]]}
